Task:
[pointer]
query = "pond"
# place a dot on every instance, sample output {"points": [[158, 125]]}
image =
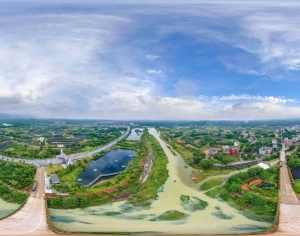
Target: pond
{"points": [[7, 208], [113, 162], [296, 173], [217, 217], [135, 134]]}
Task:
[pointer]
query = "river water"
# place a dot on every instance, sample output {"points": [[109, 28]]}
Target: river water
{"points": [[7, 208], [135, 134], [123, 217]]}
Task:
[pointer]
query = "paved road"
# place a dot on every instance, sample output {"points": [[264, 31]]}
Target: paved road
{"points": [[31, 219], [57, 161], [289, 217]]}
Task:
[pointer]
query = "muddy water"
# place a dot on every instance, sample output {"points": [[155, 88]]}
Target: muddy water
{"points": [[122, 217], [7, 208]]}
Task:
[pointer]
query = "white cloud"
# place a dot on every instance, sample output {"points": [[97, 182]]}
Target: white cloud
{"points": [[270, 99], [154, 71], [152, 57], [77, 66]]}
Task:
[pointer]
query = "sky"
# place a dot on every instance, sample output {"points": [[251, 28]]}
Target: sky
{"points": [[168, 60]]}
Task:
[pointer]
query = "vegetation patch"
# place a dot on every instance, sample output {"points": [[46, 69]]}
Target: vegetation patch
{"points": [[170, 215], [112, 213], [296, 186], [62, 219], [212, 172], [16, 175], [222, 215], [11, 195], [211, 183], [255, 203], [192, 203]]}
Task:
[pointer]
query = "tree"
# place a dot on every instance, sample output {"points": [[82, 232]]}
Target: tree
{"points": [[207, 164]]}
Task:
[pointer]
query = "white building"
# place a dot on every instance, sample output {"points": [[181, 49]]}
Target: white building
{"points": [[265, 150], [225, 148], [236, 143]]}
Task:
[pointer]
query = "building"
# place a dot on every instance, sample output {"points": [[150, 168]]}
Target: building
{"points": [[265, 150], [54, 179], [287, 142], [236, 143], [233, 151], [274, 143], [225, 148], [212, 152]]}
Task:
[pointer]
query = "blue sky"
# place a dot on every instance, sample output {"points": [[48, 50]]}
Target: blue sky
{"points": [[197, 60]]}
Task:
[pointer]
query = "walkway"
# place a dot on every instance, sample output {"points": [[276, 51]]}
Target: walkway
{"points": [[31, 219], [289, 209]]}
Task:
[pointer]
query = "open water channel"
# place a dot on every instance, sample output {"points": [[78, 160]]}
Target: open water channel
{"points": [[123, 217]]}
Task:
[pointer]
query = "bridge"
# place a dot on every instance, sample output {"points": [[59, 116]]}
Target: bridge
{"points": [[289, 205], [99, 176]]}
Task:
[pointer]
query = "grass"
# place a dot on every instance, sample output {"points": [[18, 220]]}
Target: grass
{"points": [[170, 215], [52, 168], [158, 175], [203, 175], [296, 186], [211, 183]]}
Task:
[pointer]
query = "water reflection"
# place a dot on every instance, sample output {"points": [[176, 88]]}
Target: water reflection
{"points": [[135, 134], [112, 162]]}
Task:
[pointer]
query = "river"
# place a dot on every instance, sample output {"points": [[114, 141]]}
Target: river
{"points": [[122, 217], [7, 208]]}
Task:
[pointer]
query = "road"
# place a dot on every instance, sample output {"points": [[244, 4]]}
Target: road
{"points": [[31, 219], [57, 161], [289, 217]]}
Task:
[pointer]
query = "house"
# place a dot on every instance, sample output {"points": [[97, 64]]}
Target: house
{"points": [[295, 139], [54, 179], [225, 148], [233, 151], [274, 143], [236, 143], [265, 150], [287, 142], [212, 152]]}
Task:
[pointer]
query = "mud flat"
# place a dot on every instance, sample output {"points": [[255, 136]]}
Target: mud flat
{"points": [[6, 208], [198, 213]]}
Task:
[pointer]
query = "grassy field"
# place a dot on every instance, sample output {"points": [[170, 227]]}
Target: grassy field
{"points": [[52, 168], [211, 183], [296, 186], [170, 215]]}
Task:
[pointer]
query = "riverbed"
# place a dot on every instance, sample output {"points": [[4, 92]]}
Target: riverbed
{"points": [[6, 208], [123, 217]]}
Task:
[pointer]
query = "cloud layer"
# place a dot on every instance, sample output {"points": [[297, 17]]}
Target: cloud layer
{"points": [[122, 64]]}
